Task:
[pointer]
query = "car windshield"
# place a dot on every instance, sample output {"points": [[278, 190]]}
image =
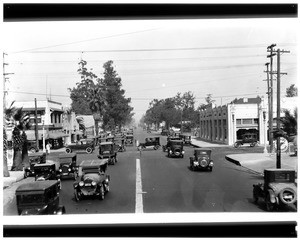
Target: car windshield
{"points": [[104, 148], [32, 198], [283, 177], [42, 169]]}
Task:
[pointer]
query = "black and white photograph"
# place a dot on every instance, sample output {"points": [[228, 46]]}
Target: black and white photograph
{"points": [[150, 120]]}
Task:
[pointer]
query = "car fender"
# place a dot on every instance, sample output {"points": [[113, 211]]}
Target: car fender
{"points": [[272, 196]]}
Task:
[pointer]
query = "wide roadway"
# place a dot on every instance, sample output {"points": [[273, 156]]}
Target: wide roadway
{"points": [[167, 184]]}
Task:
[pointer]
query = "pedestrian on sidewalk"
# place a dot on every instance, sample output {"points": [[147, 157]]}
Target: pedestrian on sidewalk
{"points": [[48, 146]]}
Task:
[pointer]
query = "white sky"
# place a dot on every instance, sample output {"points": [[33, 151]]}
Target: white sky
{"points": [[220, 56]]}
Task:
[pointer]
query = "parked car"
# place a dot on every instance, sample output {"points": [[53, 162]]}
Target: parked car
{"points": [[93, 179], [165, 132], [46, 171], [107, 150], [176, 148], [279, 188], [248, 138], [34, 158], [39, 198], [67, 165], [187, 138], [32, 147], [150, 143], [201, 160], [167, 146], [87, 145]]}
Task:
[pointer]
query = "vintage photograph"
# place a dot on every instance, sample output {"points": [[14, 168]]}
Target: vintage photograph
{"points": [[182, 116]]}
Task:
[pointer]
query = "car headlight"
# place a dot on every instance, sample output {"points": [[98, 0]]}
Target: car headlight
{"points": [[69, 169], [60, 170], [94, 183], [81, 184], [211, 163], [182, 152], [170, 151]]}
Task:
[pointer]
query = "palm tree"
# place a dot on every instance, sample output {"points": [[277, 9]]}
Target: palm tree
{"points": [[8, 113], [21, 123]]}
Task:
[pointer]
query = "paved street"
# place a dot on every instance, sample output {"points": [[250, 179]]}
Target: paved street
{"points": [[167, 184]]}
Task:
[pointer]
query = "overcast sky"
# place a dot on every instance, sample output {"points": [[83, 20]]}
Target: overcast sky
{"points": [[155, 58]]}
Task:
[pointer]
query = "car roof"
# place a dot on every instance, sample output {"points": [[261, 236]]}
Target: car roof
{"points": [[279, 170], [44, 164], [36, 186], [93, 163], [106, 143]]}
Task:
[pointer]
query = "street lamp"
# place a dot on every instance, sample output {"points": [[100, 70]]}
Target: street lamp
{"points": [[232, 109], [265, 144], [43, 122]]}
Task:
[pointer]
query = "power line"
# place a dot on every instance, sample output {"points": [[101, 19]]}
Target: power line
{"points": [[93, 39]]}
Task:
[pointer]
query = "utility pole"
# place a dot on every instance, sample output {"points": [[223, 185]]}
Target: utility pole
{"points": [[36, 126], [269, 101], [5, 80], [278, 152], [270, 49]]}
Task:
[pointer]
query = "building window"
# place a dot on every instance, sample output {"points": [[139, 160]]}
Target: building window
{"points": [[247, 121], [255, 120], [239, 121]]}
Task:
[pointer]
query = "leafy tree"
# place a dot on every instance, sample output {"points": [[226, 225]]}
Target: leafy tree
{"points": [[292, 91], [117, 106], [289, 122], [88, 96]]}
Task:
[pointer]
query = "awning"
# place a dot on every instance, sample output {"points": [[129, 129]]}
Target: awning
{"points": [[77, 133], [56, 135]]}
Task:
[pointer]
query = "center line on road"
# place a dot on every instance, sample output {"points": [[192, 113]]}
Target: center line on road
{"points": [[138, 189]]}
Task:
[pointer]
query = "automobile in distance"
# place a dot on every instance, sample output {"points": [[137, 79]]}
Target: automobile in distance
{"points": [[34, 158], [187, 138], [167, 146], [175, 148], [120, 144], [165, 132], [150, 143], [87, 145], [129, 139], [46, 171], [247, 138], [92, 181], [39, 198], [201, 160], [107, 150], [68, 165], [278, 189], [31, 146]]}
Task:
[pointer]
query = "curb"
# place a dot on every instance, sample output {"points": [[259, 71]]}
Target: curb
{"points": [[232, 160]]}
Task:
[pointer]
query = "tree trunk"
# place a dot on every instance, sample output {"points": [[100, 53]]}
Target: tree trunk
{"points": [[25, 158], [17, 161], [96, 127], [5, 167]]}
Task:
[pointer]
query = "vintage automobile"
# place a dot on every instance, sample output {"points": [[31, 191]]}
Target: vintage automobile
{"points": [[32, 147], [93, 181], [279, 188], [249, 138], [67, 165], [175, 148], [187, 139], [167, 146], [107, 150], [46, 171], [39, 198], [150, 143], [201, 160], [87, 145], [120, 144], [165, 132], [129, 139], [34, 158]]}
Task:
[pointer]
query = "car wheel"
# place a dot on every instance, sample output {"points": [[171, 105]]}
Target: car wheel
{"points": [[255, 197], [285, 194], [68, 150], [89, 150], [192, 167], [77, 196], [32, 150], [107, 188], [236, 145], [60, 185], [26, 174], [102, 192], [182, 156]]}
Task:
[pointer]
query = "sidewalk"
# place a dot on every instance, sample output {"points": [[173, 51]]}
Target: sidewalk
{"points": [[203, 144], [257, 162]]}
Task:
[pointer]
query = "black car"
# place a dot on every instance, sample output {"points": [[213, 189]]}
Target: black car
{"points": [[187, 139], [93, 179], [46, 171], [169, 139], [201, 160], [67, 165], [175, 148], [279, 188], [39, 198], [87, 145], [108, 150], [129, 139], [34, 158], [150, 143], [248, 138], [120, 143]]}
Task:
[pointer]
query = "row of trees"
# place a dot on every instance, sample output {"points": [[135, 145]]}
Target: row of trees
{"points": [[102, 97], [173, 111]]}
